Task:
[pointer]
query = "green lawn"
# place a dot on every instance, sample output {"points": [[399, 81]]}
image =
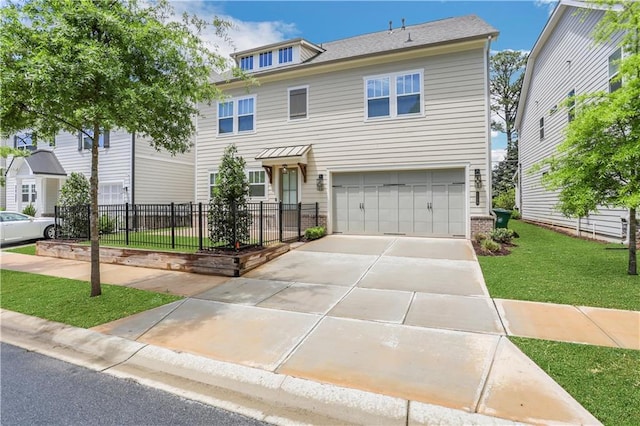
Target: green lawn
{"points": [[551, 267], [30, 249], [606, 381], [67, 301]]}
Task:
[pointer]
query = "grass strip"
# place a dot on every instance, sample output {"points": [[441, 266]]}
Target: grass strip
{"points": [[551, 267], [606, 381], [30, 249], [67, 301]]}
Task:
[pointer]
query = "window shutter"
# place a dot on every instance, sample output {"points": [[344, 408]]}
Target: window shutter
{"points": [[106, 138], [15, 141], [79, 141], [298, 103]]}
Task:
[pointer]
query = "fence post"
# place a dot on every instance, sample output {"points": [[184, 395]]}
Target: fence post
{"points": [[234, 215], [280, 230], [126, 223], [317, 213], [173, 225], [200, 225], [55, 221], [261, 226], [299, 221]]}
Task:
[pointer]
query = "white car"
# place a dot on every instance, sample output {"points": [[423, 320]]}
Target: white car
{"points": [[15, 227]]}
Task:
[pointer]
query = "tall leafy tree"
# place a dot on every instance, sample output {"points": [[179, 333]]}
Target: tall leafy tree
{"points": [[506, 70], [89, 65], [598, 164]]}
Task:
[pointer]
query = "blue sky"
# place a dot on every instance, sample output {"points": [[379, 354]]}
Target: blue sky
{"points": [[262, 22]]}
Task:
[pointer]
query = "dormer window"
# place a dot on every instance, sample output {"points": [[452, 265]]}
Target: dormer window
{"points": [[246, 63], [285, 55], [266, 59]]}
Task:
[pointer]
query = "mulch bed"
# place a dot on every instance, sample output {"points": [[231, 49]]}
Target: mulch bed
{"points": [[504, 249], [232, 251]]}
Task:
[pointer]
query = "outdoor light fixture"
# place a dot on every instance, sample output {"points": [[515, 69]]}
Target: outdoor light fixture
{"points": [[284, 168], [478, 184], [320, 182]]}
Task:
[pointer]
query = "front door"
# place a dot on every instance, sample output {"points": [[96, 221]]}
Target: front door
{"points": [[289, 197]]}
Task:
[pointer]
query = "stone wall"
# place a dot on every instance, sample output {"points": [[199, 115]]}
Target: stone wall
{"points": [[482, 224]]}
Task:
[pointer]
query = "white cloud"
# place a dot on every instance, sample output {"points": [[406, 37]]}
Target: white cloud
{"points": [[494, 134], [497, 155], [549, 4], [242, 35]]}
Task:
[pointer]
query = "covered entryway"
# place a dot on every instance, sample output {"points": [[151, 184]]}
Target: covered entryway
{"points": [[414, 202]]}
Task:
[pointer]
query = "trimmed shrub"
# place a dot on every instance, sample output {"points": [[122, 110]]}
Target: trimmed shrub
{"points": [[106, 225], [515, 214], [502, 235], [74, 200], [30, 210], [480, 236], [505, 200], [315, 232]]}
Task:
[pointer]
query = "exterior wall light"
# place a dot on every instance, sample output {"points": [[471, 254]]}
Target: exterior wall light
{"points": [[320, 182]]}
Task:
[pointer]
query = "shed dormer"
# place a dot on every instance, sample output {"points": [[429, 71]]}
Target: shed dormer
{"points": [[276, 55]]}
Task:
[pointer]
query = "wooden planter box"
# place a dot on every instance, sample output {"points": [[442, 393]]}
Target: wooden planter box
{"points": [[231, 265]]}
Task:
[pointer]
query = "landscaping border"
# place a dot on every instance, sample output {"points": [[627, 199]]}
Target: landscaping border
{"points": [[231, 265]]}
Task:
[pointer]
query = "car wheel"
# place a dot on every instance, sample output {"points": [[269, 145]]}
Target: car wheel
{"points": [[50, 232]]}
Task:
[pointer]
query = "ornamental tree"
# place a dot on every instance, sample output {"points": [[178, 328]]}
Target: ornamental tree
{"points": [[90, 65]]}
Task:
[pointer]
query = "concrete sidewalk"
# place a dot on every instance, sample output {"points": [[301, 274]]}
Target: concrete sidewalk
{"points": [[378, 315]]}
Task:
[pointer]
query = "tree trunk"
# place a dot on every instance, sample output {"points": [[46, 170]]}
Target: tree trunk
{"points": [[633, 262], [96, 290]]}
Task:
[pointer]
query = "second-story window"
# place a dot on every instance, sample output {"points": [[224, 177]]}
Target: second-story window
{"points": [[236, 116], [246, 63], [541, 128], [614, 67], [24, 141], [394, 95], [298, 103], [285, 55], [85, 139], [266, 59]]}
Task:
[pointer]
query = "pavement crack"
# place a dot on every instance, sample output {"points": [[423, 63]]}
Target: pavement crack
{"points": [[181, 302], [485, 379], [125, 360]]}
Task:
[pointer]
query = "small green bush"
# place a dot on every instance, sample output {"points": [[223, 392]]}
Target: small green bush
{"points": [[505, 200], [315, 232], [515, 214], [502, 235], [106, 225], [29, 210], [480, 236], [490, 246]]}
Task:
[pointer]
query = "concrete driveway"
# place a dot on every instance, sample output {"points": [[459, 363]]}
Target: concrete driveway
{"points": [[399, 316]]}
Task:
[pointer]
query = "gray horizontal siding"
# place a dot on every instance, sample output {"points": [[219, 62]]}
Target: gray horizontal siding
{"points": [[569, 60]]}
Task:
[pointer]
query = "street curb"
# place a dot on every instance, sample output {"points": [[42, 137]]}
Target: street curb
{"points": [[263, 395]]}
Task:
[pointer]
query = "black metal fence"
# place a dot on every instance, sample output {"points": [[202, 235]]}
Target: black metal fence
{"points": [[188, 226]]}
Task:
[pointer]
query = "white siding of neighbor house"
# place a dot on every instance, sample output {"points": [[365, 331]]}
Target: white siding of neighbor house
{"points": [[553, 77], [453, 129], [161, 177]]}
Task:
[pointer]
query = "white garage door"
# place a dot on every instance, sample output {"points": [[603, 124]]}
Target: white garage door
{"points": [[417, 202]]}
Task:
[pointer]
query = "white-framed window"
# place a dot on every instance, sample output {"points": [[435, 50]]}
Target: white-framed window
{"points": [[24, 141], [237, 116], [246, 63], [571, 105], [266, 59], [257, 183], [85, 139], [614, 68], [298, 102], [285, 55], [29, 193], [394, 95], [110, 193], [213, 178], [541, 128]]}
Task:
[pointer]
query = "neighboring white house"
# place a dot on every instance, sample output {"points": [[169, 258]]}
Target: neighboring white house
{"points": [[389, 132], [565, 61], [130, 170]]}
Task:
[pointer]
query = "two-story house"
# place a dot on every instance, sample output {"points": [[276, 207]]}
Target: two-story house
{"points": [[564, 62], [388, 132], [130, 171]]}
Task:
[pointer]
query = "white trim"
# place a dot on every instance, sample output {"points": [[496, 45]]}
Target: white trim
{"points": [[235, 116], [487, 106], [166, 160], [393, 96], [289, 89]]}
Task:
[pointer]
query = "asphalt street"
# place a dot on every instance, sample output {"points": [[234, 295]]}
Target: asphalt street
{"points": [[38, 390]]}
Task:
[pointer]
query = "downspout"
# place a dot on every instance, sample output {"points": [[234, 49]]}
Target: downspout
{"points": [[487, 52]]}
